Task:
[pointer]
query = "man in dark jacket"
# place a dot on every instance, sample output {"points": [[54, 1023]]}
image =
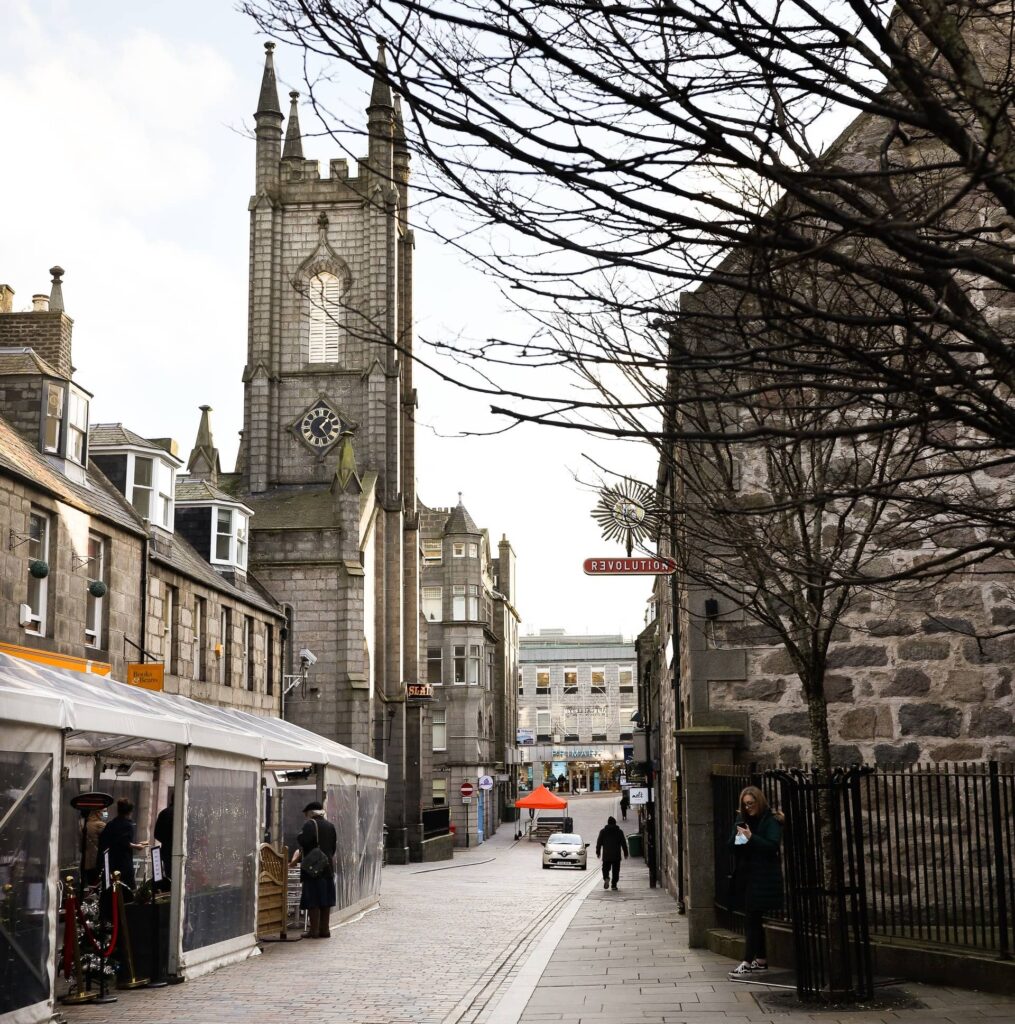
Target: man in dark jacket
{"points": [[611, 843]]}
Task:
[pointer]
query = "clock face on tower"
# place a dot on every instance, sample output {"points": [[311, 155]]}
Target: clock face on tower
{"points": [[320, 427]]}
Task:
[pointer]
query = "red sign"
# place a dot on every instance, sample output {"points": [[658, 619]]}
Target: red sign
{"points": [[651, 565], [467, 789]]}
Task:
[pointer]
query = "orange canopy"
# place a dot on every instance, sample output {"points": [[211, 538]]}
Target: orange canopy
{"points": [[542, 799]]}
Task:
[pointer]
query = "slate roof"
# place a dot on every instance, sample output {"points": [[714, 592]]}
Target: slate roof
{"points": [[460, 521], [178, 554], [304, 509], [116, 435], [96, 495], [14, 362], [201, 490]]}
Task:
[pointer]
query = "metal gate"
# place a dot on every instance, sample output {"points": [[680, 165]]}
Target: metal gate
{"points": [[830, 928]]}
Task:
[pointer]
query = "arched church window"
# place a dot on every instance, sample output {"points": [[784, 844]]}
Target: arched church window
{"points": [[324, 318]]}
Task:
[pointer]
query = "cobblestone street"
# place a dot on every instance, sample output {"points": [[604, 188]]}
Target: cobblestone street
{"points": [[493, 939]]}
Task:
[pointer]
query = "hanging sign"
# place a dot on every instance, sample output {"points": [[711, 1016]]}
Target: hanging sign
{"points": [[639, 795], [418, 691], [149, 676], [485, 782], [652, 565], [156, 864]]}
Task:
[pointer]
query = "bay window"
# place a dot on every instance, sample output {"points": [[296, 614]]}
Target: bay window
{"points": [[459, 650], [432, 604], [475, 660]]}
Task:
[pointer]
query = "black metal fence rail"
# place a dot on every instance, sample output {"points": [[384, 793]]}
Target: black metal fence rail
{"points": [[939, 850]]}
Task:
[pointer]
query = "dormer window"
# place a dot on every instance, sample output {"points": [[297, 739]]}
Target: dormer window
{"points": [[150, 485], [65, 421], [230, 537]]}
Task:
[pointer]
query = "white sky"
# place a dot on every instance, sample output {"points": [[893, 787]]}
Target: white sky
{"points": [[124, 159]]}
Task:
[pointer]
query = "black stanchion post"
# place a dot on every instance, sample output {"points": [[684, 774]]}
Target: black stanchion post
{"points": [[158, 868]]}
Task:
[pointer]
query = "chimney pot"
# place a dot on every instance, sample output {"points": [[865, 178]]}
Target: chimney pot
{"points": [[40, 303]]}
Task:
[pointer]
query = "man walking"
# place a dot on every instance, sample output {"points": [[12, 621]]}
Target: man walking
{"points": [[610, 844]]}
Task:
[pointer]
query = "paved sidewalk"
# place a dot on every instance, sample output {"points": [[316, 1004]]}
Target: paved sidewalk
{"points": [[624, 960]]}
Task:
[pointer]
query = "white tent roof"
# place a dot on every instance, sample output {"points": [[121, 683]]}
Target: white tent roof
{"points": [[99, 714]]}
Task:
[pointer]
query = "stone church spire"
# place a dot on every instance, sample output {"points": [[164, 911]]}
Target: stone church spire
{"points": [[268, 130], [204, 457], [293, 139], [381, 117]]}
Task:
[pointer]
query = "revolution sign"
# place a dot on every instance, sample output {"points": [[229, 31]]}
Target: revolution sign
{"points": [[651, 565]]}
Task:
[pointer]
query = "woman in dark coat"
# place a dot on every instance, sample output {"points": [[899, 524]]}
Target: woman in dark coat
{"points": [[757, 875], [318, 895]]}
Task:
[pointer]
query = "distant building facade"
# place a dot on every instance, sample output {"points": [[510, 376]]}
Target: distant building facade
{"points": [[471, 626], [576, 700]]}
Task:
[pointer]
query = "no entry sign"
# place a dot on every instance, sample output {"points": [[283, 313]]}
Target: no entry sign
{"points": [[650, 565], [467, 789]]}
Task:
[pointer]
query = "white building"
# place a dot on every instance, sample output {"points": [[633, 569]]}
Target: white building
{"points": [[576, 699]]}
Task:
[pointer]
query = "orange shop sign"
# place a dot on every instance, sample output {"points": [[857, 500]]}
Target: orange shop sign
{"points": [[149, 676]]}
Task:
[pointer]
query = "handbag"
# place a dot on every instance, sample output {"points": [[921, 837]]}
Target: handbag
{"points": [[316, 864]]}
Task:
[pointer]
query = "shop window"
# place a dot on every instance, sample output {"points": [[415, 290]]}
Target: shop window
{"points": [[38, 589]]}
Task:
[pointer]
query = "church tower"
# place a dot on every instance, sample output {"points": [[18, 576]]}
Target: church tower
{"points": [[327, 457]]}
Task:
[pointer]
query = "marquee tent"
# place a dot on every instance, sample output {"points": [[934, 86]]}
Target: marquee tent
{"points": [[541, 799], [54, 720]]}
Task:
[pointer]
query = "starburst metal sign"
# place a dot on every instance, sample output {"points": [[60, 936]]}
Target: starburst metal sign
{"points": [[626, 512]]}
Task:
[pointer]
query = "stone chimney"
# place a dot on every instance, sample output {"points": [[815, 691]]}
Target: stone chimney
{"points": [[46, 329]]}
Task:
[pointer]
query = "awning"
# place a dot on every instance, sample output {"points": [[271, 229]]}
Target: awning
{"points": [[99, 714]]}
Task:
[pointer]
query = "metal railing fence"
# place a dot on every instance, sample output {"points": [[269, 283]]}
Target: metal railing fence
{"points": [[938, 843]]}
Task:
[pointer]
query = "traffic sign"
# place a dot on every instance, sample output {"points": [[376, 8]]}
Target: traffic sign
{"points": [[485, 782], [467, 789]]}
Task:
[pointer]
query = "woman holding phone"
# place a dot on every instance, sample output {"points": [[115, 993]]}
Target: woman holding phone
{"points": [[757, 875]]}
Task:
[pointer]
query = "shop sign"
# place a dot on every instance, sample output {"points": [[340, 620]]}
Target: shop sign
{"points": [[652, 565], [149, 676], [526, 737], [639, 794], [485, 782], [578, 754], [419, 691]]}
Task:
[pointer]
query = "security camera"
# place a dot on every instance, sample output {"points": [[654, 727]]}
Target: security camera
{"points": [[307, 657]]}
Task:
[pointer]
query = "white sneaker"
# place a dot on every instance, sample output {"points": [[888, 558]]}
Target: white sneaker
{"points": [[741, 970], [759, 965]]}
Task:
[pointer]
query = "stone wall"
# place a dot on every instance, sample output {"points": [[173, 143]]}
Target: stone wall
{"points": [[906, 683]]}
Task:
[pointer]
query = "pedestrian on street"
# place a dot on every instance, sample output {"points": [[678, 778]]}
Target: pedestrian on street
{"points": [[562, 783], [756, 882], [318, 894], [625, 803], [611, 843]]}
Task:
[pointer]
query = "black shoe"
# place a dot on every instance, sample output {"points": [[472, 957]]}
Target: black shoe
{"points": [[613, 887], [606, 884]]}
